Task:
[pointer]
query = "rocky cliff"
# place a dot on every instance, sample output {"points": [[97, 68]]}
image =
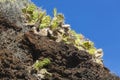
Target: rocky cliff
{"points": [[35, 47]]}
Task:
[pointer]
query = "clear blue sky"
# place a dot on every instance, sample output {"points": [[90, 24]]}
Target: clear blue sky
{"points": [[98, 20]]}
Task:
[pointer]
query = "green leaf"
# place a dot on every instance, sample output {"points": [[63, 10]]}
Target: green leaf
{"points": [[88, 44], [54, 24], [60, 18], [31, 8], [42, 26], [45, 22], [35, 15], [40, 64], [55, 12], [57, 19], [42, 14], [92, 51]]}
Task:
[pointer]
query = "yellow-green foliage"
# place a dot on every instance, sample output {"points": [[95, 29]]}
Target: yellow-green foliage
{"points": [[78, 41], [55, 12], [57, 19], [45, 22], [40, 64], [88, 44], [73, 38], [31, 8], [33, 15], [92, 51]]}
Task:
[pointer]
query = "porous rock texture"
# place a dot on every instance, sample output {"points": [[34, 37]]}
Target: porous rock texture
{"points": [[19, 50]]}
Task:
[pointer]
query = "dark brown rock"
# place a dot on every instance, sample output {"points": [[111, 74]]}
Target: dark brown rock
{"points": [[18, 52]]}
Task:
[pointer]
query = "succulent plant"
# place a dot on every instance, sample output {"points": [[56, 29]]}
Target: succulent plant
{"points": [[35, 15], [31, 8], [58, 30], [88, 44], [57, 19], [55, 12], [40, 64], [30, 13], [92, 51], [45, 22]]}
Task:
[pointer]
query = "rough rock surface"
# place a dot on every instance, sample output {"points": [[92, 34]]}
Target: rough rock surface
{"points": [[18, 51]]}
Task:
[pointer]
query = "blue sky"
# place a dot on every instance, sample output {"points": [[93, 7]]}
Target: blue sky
{"points": [[98, 20]]}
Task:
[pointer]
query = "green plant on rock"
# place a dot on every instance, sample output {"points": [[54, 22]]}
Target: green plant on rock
{"points": [[45, 22], [57, 19], [31, 13], [40, 64], [55, 12], [78, 41], [92, 51], [34, 15], [89, 46], [31, 8]]}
